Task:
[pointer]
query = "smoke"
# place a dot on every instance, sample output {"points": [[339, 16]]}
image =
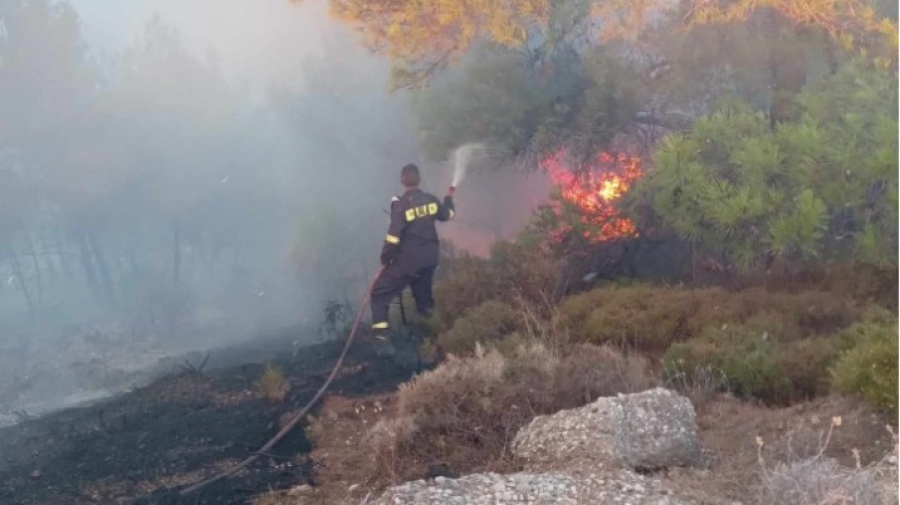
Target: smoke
{"points": [[177, 177], [493, 204], [181, 176], [256, 42]]}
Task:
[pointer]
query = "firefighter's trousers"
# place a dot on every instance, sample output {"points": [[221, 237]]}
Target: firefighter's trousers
{"points": [[391, 284]]}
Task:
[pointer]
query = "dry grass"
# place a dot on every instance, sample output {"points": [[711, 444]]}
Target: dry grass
{"points": [[464, 413], [701, 385], [460, 414], [822, 482], [300, 495], [793, 438], [512, 272], [272, 385], [819, 480], [342, 435]]}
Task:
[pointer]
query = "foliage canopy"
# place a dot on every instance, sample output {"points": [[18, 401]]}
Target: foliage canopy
{"points": [[822, 184]]}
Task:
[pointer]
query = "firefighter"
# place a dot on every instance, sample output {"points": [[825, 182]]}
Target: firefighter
{"points": [[410, 251]]}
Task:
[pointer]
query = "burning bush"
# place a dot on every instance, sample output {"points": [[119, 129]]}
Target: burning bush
{"points": [[583, 210], [593, 193], [589, 222]]}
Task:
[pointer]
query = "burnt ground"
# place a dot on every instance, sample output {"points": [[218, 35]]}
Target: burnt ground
{"points": [[144, 446]]}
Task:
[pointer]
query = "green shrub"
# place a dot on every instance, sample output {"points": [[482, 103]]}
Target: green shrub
{"points": [[526, 273], [745, 357], [513, 272], [792, 315], [588, 372], [643, 317], [466, 282], [747, 193], [807, 362], [653, 318], [869, 368], [753, 371], [686, 358], [509, 344], [757, 362], [485, 324]]}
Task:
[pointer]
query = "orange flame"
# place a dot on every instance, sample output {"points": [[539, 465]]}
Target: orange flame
{"points": [[607, 179]]}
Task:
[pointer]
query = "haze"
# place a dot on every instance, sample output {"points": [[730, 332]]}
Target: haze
{"points": [[181, 176], [257, 42]]}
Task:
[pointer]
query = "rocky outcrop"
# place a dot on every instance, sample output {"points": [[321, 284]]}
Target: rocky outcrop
{"points": [[649, 430], [581, 456], [560, 488]]}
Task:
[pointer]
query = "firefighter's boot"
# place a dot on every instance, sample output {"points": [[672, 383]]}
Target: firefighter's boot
{"points": [[380, 332]]}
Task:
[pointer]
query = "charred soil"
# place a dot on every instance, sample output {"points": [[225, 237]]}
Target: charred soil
{"points": [[144, 446]]}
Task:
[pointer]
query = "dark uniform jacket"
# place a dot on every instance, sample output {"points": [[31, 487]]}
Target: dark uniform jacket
{"points": [[412, 240]]}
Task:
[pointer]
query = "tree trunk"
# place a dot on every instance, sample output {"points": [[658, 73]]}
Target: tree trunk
{"points": [[771, 31], [103, 269], [176, 253], [132, 258], [17, 269], [206, 260], [831, 53], [64, 265], [51, 267], [37, 273], [87, 264]]}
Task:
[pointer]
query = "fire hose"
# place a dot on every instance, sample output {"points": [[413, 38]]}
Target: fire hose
{"points": [[296, 419]]}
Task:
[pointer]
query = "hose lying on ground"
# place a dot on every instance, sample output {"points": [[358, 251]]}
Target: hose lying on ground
{"points": [[296, 419]]}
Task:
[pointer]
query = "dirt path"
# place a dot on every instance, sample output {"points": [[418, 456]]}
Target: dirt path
{"points": [[143, 446]]}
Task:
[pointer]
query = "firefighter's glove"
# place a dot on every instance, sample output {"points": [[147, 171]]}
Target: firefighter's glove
{"points": [[388, 254], [451, 208]]}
